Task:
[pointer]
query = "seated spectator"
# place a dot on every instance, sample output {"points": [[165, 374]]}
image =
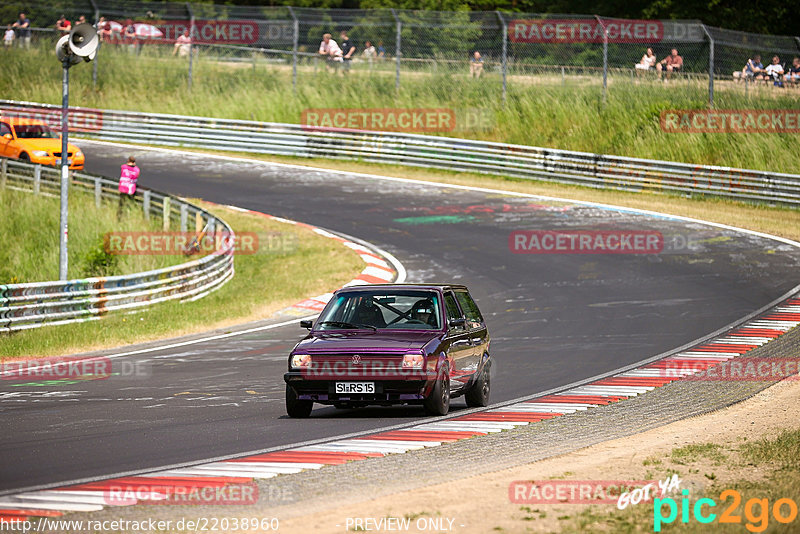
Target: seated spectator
{"points": [[103, 30], [8, 37], [381, 51], [753, 70], [673, 62], [183, 45], [63, 25], [793, 74], [129, 36], [647, 62], [775, 71], [329, 49], [369, 52], [81, 20], [476, 65]]}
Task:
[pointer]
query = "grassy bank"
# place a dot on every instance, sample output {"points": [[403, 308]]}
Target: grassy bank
{"points": [[29, 238], [540, 110], [291, 264]]}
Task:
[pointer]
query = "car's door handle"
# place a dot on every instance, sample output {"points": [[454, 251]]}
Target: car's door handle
{"points": [[476, 340]]}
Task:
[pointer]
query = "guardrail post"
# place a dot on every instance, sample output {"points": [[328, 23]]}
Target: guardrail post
{"points": [[3, 173], [165, 210], [146, 205], [212, 224], [504, 65], [397, 46], [198, 222], [295, 42], [98, 192], [184, 217], [37, 179], [710, 66]]}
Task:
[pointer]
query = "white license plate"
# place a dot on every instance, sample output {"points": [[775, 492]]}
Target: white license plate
{"points": [[355, 387], [69, 161]]}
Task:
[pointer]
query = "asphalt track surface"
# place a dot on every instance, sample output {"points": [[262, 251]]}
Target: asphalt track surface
{"points": [[553, 318]]}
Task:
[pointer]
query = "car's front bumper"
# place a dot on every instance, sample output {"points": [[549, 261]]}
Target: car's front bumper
{"points": [[396, 391]]}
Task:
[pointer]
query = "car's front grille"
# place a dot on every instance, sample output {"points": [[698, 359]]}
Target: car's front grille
{"points": [[58, 154], [358, 365]]}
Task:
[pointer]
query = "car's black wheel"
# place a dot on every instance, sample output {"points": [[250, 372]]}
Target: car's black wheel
{"points": [[23, 156], [296, 407], [477, 395], [438, 402]]}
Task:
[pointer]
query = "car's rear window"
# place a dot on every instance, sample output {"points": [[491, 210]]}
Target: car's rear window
{"points": [[408, 310], [35, 131]]}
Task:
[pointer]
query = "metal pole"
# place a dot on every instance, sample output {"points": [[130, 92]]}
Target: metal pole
{"points": [[94, 63], [191, 42], [397, 46], [295, 43], [605, 57], [63, 224], [505, 51], [710, 66]]}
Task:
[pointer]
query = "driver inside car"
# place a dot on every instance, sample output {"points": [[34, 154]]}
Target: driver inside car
{"points": [[422, 311]]}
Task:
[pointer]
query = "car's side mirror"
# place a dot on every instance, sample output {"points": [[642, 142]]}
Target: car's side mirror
{"points": [[7, 136], [306, 323], [453, 323]]}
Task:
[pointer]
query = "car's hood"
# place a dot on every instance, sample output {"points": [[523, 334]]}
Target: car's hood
{"points": [[366, 341], [51, 145]]}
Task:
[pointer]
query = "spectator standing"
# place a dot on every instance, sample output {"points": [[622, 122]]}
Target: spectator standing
{"points": [[647, 62], [775, 71], [329, 49], [476, 65], [23, 29], [8, 37], [673, 62], [63, 25], [381, 51], [81, 20], [348, 49], [129, 36], [793, 74], [128, 175], [369, 53], [183, 45]]}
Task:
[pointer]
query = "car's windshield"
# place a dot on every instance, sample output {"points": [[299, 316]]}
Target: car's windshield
{"points": [[35, 131], [408, 310]]}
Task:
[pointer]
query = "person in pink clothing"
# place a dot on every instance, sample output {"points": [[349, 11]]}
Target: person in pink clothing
{"points": [[128, 175]]}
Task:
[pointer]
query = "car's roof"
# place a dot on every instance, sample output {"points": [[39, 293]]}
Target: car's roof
{"points": [[390, 287]]}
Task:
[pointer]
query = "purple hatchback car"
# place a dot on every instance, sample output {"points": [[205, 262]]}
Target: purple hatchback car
{"points": [[392, 344]]}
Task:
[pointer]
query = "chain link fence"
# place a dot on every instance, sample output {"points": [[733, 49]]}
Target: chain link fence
{"points": [[400, 46]]}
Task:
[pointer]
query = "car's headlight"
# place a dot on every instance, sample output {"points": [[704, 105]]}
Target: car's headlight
{"points": [[413, 361], [301, 360], [40, 153], [78, 154]]}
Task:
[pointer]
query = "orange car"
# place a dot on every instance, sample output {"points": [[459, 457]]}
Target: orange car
{"points": [[33, 140]]}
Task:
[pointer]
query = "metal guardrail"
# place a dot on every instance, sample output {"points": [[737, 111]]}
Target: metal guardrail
{"points": [[31, 305], [582, 168]]}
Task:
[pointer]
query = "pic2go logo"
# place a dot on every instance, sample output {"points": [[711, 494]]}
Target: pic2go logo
{"points": [[756, 511]]}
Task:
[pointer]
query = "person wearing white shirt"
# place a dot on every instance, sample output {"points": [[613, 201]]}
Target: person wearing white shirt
{"points": [[775, 71], [330, 50]]}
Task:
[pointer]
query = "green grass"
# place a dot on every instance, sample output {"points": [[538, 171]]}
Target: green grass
{"points": [[539, 110], [265, 282], [29, 238]]}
